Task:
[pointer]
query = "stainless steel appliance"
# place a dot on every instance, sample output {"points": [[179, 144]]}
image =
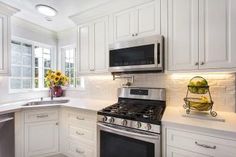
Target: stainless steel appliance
{"points": [[132, 126], [144, 54], [7, 135]]}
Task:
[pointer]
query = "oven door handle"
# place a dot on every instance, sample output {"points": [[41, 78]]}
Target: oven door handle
{"points": [[148, 135]]}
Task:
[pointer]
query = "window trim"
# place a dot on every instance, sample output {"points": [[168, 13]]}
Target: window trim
{"points": [[61, 60], [33, 43]]}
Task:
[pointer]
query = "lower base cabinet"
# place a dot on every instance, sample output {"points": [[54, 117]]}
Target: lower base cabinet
{"points": [[79, 150], [78, 133], [190, 143], [41, 138], [56, 132], [175, 152]]}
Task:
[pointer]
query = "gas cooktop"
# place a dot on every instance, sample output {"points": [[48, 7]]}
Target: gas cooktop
{"points": [[137, 108]]}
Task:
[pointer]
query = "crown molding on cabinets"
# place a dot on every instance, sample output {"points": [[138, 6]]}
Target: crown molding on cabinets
{"points": [[105, 9]]}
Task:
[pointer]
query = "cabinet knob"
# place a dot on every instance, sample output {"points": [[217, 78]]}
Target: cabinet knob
{"points": [[196, 63], [202, 63], [132, 35], [136, 34], [92, 70]]}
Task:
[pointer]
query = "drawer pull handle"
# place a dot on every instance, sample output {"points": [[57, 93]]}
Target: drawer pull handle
{"points": [[80, 152], [79, 118], [78, 133], [205, 146], [42, 116]]}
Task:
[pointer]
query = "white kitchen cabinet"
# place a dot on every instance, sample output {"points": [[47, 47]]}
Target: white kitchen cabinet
{"points": [[93, 46], [136, 22], [200, 34], [124, 25], [5, 34], [84, 32], [175, 152], [190, 143], [78, 133], [41, 133], [217, 34], [182, 34], [41, 138]]}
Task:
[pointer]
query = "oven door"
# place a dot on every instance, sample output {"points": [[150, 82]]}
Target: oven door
{"points": [[116, 141]]}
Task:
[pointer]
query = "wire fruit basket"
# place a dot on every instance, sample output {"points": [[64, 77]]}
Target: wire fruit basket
{"points": [[202, 102]]}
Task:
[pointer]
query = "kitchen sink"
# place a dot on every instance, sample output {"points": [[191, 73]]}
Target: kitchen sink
{"points": [[48, 102]]}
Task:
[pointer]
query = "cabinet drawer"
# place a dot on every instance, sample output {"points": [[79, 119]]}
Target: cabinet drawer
{"points": [[82, 134], [82, 119], [199, 143], [79, 150], [175, 152], [41, 115]]}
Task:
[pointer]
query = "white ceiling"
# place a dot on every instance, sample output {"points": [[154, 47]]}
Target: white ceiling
{"points": [[65, 9]]}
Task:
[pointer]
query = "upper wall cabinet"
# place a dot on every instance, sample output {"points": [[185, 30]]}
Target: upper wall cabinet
{"points": [[93, 46], [137, 22], [201, 34], [5, 34], [217, 34]]}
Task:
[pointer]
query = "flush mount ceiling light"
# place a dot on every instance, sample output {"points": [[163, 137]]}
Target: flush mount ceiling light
{"points": [[46, 10]]}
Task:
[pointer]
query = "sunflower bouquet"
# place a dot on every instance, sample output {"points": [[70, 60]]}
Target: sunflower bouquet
{"points": [[55, 78]]}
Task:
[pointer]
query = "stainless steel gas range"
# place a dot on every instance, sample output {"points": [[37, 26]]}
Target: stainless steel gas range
{"points": [[132, 126]]}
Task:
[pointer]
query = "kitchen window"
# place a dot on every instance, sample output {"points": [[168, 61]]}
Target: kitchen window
{"points": [[42, 63], [29, 63], [21, 66], [68, 66]]}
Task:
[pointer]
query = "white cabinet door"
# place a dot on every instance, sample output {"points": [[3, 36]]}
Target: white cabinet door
{"points": [[41, 138], [100, 44], [148, 19], [4, 45], [140, 21], [124, 25], [182, 34], [93, 46], [84, 41], [217, 34], [175, 152]]}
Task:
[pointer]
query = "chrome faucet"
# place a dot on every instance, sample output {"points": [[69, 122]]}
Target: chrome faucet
{"points": [[51, 92]]}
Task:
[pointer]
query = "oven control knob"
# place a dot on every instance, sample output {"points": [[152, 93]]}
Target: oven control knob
{"points": [[138, 125], [124, 122], [149, 127], [104, 119], [111, 120]]}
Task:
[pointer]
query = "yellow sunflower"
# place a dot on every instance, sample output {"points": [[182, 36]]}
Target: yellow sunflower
{"points": [[58, 73], [56, 79], [53, 76]]}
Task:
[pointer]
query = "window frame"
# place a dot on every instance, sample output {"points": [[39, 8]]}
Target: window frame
{"points": [[61, 66], [33, 43]]}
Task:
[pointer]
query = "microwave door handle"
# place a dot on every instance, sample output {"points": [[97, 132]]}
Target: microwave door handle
{"points": [[129, 133], [6, 119], [158, 53]]}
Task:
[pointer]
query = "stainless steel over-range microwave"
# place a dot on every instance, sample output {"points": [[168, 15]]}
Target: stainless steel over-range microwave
{"points": [[144, 54]]}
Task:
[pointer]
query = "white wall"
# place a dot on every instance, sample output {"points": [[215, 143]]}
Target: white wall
{"points": [[67, 37], [29, 31]]}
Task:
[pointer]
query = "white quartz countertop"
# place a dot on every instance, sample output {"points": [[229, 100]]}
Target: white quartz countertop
{"points": [[225, 121], [87, 104]]}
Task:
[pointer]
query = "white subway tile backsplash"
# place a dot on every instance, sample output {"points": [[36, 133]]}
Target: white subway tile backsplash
{"points": [[222, 87]]}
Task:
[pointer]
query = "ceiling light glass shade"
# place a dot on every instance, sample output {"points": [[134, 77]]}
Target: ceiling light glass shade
{"points": [[46, 10]]}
